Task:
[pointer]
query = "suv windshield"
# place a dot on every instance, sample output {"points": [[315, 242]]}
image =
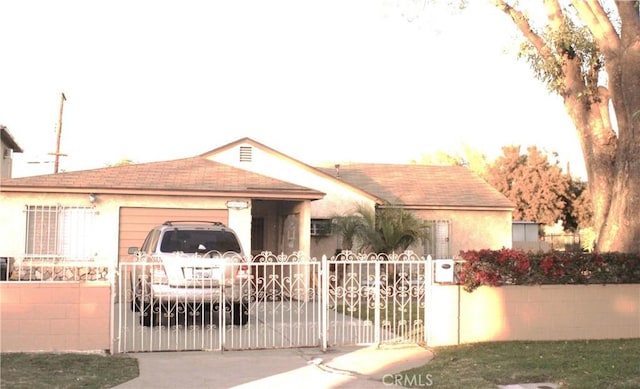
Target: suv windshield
{"points": [[199, 241]]}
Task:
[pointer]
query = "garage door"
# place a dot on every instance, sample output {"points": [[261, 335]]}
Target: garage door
{"points": [[135, 223]]}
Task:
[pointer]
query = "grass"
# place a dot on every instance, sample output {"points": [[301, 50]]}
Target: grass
{"points": [[573, 364], [65, 370]]}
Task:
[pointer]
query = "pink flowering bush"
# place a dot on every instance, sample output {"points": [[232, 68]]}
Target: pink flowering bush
{"points": [[517, 267]]}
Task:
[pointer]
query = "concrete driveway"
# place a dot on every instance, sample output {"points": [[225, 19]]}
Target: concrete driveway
{"points": [[271, 325], [345, 367]]}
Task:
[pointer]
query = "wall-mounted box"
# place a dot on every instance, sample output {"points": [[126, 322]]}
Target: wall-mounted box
{"points": [[444, 270]]}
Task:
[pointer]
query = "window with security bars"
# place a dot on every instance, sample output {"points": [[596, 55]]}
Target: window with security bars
{"points": [[59, 231], [436, 239]]}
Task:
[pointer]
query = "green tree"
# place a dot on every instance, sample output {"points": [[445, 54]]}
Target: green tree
{"points": [[577, 213], [588, 52], [472, 158], [538, 188], [122, 162]]}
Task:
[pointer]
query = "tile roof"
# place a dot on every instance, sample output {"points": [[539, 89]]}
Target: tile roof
{"points": [[420, 185], [407, 185], [189, 174]]}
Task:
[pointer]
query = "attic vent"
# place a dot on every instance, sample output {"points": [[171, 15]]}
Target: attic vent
{"points": [[246, 154]]}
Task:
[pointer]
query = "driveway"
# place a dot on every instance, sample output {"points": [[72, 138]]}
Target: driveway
{"points": [[344, 367], [271, 325]]}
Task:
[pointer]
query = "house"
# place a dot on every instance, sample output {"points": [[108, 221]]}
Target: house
{"points": [[274, 202], [8, 147], [466, 212]]}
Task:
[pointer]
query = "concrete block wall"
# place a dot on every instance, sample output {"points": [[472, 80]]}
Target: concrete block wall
{"points": [[54, 316], [545, 312], [75, 316]]}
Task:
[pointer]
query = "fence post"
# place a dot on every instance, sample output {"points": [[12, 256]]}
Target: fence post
{"points": [[324, 301], [376, 311], [428, 314], [115, 288]]}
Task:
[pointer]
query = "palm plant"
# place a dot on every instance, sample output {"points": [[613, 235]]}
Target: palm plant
{"points": [[384, 230], [349, 227], [389, 229]]}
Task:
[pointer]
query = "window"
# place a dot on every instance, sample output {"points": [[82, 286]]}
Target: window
{"points": [[320, 227], [192, 241], [151, 241], [436, 241], [58, 231]]}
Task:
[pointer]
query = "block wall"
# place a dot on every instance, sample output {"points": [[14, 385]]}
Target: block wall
{"points": [[546, 312], [54, 316]]}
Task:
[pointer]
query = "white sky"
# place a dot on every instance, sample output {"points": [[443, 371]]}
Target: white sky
{"points": [[321, 81]]}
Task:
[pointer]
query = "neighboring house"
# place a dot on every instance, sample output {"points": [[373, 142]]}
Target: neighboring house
{"points": [[274, 202], [9, 146]]}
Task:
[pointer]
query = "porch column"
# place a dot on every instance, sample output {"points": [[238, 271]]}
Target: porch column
{"points": [[303, 209], [240, 221]]}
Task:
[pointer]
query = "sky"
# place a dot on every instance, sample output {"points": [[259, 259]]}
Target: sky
{"points": [[331, 81]]}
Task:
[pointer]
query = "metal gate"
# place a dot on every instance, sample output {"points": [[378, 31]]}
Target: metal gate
{"points": [[291, 301]]}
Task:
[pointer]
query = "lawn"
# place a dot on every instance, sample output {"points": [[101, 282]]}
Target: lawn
{"points": [[573, 364], [65, 370]]}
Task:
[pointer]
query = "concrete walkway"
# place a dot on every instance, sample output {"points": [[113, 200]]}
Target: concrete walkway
{"points": [[348, 367]]}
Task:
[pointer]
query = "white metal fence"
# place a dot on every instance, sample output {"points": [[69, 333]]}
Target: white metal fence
{"points": [[289, 301]]}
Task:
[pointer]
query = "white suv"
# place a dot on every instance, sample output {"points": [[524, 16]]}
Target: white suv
{"points": [[191, 268]]}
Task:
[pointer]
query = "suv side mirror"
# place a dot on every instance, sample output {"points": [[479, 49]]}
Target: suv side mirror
{"points": [[132, 250]]}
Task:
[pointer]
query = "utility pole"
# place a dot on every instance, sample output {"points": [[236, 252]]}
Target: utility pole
{"points": [[57, 153]]}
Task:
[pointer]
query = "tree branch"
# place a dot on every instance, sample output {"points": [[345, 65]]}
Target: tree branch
{"points": [[522, 22], [554, 13], [596, 19]]}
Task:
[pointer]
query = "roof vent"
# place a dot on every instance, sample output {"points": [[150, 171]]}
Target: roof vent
{"points": [[246, 153]]}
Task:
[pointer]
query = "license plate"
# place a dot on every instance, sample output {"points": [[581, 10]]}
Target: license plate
{"points": [[201, 273]]}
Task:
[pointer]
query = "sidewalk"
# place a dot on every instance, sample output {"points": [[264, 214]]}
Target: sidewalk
{"points": [[346, 367]]}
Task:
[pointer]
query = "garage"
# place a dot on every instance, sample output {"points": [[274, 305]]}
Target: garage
{"points": [[135, 223]]}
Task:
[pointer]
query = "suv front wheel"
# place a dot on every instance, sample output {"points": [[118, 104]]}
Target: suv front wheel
{"points": [[240, 313]]}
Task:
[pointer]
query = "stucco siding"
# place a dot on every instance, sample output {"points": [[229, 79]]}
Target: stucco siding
{"points": [[106, 227], [473, 229]]}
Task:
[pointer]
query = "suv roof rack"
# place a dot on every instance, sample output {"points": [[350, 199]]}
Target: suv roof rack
{"points": [[173, 222]]}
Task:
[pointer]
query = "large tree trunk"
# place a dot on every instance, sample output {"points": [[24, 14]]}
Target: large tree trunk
{"points": [[612, 158], [621, 230]]}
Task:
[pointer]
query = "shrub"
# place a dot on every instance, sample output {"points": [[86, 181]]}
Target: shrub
{"points": [[516, 267]]}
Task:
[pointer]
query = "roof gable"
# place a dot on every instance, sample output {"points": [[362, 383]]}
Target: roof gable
{"points": [[254, 156]]}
